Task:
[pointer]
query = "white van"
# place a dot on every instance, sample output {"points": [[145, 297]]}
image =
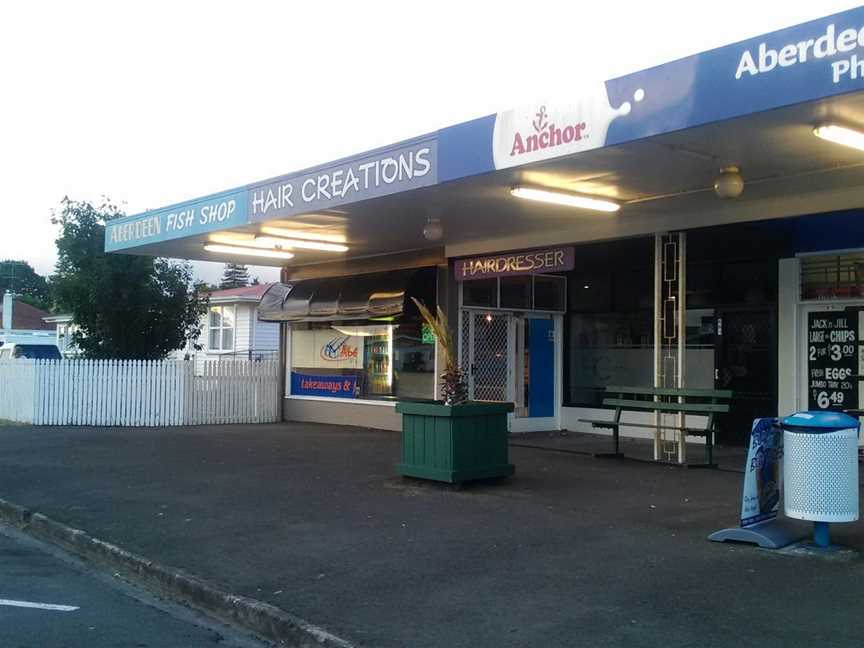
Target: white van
{"points": [[18, 351]]}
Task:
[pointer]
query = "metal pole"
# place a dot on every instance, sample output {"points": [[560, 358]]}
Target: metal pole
{"points": [[682, 336], [658, 332], [821, 536], [281, 388]]}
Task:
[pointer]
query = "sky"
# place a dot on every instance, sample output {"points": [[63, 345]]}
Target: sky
{"points": [[157, 102]]}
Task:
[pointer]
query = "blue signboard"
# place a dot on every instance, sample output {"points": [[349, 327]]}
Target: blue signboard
{"points": [[332, 386], [761, 495], [217, 212], [378, 173], [802, 63], [811, 61]]}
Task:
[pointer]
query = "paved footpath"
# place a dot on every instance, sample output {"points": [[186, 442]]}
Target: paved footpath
{"points": [[571, 552], [47, 602]]}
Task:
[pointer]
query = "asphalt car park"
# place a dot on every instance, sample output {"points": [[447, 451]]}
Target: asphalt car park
{"points": [[48, 601]]}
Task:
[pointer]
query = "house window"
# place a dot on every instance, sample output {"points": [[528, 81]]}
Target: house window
{"points": [[221, 325]]}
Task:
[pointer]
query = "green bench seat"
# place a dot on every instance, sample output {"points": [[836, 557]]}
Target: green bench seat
{"points": [[666, 400]]}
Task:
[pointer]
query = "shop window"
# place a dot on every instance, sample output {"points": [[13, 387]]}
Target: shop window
{"points": [[609, 328], [516, 292], [731, 304], [221, 328], [385, 360], [832, 276], [519, 292], [549, 292], [480, 292]]}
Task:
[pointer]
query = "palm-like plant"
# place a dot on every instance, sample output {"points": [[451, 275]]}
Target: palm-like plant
{"points": [[455, 386]]}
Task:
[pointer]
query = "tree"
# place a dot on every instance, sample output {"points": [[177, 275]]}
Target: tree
{"points": [[234, 276], [22, 279], [126, 307]]}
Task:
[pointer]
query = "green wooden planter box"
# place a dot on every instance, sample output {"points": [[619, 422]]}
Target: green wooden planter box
{"points": [[454, 444]]}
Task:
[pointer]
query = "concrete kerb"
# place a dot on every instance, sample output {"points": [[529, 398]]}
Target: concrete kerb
{"points": [[263, 619]]}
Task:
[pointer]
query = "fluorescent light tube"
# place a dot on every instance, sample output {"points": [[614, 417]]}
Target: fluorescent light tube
{"points": [[565, 198], [247, 251], [276, 241], [841, 135], [302, 234], [232, 238], [273, 242]]}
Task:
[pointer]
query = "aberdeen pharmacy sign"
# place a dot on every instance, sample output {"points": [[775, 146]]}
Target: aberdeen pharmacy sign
{"points": [[831, 44]]}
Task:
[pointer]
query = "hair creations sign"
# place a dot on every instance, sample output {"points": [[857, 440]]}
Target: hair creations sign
{"points": [[543, 261]]}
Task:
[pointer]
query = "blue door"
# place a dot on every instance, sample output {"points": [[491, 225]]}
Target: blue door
{"points": [[541, 368]]}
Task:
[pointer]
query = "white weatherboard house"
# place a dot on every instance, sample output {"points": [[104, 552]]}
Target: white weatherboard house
{"points": [[22, 323], [63, 333], [231, 327]]}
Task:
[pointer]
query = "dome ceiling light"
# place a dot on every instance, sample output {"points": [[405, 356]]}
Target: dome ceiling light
{"points": [[729, 184], [433, 230]]}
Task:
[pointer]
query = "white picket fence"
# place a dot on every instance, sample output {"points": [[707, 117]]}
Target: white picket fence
{"points": [[138, 392]]}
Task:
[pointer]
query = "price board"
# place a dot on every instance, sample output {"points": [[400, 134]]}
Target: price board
{"points": [[832, 360]]}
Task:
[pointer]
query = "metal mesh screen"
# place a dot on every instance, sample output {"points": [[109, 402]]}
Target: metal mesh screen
{"points": [[464, 340], [489, 366], [820, 476]]}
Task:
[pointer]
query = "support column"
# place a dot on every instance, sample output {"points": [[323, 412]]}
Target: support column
{"points": [[658, 332], [670, 337]]}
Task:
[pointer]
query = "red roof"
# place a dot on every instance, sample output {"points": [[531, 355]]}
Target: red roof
{"points": [[29, 318], [246, 292]]}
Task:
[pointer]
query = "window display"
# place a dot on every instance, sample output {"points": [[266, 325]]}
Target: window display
{"points": [[369, 360]]}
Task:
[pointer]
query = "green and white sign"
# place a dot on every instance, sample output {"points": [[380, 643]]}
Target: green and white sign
{"points": [[217, 212]]}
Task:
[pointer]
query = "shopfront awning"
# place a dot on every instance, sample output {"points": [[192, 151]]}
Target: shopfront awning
{"points": [[331, 299], [649, 146]]}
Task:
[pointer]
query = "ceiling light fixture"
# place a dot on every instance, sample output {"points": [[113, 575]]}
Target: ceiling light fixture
{"points": [[232, 238], [287, 243], [729, 184], [840, 135], [302, 234], [248, 251], [365, 331], [273, 242], [433, 230], [565, 198]]}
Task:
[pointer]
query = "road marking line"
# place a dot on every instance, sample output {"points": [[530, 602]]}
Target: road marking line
{"points": [[39, 606]]}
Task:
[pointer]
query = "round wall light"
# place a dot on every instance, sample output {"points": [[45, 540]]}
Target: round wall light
{"points": [[729, 184], [433, 230]]}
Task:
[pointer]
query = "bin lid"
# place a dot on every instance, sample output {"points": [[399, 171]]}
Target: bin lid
{"points": [[820, 421]]}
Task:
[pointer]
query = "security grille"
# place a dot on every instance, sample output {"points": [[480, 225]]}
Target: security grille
{"points": [[465, 317], [484, 352]]}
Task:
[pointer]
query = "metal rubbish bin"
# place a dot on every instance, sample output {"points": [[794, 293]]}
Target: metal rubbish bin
{"points": [[820, 469]]}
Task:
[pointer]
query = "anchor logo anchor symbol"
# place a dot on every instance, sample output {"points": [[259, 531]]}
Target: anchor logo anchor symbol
{"points": [[541, 121]]}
